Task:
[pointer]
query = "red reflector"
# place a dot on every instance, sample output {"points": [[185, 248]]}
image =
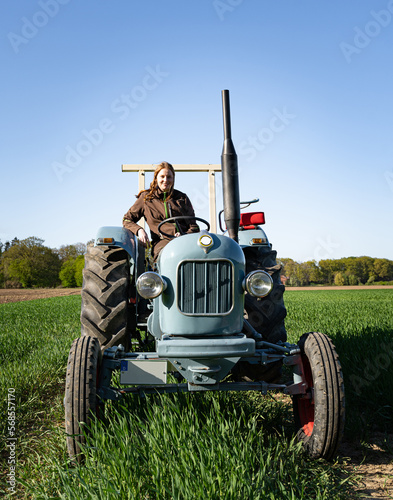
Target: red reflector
{"points": [[252, 218]]}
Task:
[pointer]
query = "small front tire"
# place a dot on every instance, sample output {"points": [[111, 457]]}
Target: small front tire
{"points": [[320, 413], [80, 400]]}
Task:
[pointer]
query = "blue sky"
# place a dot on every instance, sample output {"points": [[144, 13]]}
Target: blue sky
{"points": [[87, 86]]}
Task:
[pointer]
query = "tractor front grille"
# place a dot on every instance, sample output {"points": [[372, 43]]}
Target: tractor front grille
{"points": [[205, 287]]}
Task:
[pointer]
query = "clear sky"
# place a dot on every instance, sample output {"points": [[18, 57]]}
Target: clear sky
{"points": [[89, 85]]}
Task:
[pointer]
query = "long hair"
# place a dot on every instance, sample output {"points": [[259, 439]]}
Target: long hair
{"points": [[150, 193]]}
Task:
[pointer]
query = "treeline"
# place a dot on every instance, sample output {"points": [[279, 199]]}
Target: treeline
{"points": [[345, 271], [29, 263]]}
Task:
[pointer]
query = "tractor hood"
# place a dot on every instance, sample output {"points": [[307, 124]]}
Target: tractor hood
{"points": [[203, 273]]}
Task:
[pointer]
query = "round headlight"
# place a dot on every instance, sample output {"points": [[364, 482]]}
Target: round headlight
{"points": [[258, 283], [150, 285]]}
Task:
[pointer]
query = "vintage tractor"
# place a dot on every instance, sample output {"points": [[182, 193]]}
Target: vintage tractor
{"points": [[212, 309]]}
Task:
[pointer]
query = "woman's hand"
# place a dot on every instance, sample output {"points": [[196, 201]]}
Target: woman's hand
{"points": [[142, 236]]}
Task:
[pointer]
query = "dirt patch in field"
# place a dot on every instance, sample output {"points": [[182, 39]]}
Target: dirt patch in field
{"points": [[16, 295], [19, 294], [372, 465]]}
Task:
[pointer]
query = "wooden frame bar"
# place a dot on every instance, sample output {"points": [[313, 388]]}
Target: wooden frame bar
{"points": [[210, 168]]}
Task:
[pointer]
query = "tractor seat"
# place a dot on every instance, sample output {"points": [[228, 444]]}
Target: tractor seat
{"points": [[249, 220]]}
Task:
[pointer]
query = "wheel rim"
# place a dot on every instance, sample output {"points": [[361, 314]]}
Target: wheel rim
{"points": [[306, 403]]}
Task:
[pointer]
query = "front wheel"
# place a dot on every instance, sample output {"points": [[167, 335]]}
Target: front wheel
{"points": [[319, 414], [81, 392]]}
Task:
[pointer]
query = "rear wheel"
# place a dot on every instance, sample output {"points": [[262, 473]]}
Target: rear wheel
{"points": [[265, 315], [81, 392], [106, 313], [320, 413]]}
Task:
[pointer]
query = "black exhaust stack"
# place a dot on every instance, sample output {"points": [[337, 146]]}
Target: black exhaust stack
{"points": [[230, 177]]}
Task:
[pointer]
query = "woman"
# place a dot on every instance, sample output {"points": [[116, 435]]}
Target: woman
{"points": [[161, 201]]}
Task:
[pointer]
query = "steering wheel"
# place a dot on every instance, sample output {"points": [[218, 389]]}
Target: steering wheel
{"points": [[180, 217]]}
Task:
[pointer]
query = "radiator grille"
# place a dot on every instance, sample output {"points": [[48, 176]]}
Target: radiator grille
{"points": [[205, 287]]}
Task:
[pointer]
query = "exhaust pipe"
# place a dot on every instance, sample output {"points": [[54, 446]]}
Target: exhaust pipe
{"points": [[230, 176]]}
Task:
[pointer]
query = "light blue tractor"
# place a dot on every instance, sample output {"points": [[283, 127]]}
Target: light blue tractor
{"points": [[209, 317]]}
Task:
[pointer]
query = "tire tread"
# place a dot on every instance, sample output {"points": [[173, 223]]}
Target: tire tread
{"points": [[80, 395], [329, 397], [105, 295]]}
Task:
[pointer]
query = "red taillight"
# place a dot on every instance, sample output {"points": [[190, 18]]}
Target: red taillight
{"points": [[250, 219]]}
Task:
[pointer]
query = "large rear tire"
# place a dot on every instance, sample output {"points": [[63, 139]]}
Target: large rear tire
{"points": [[265, 315], [106, 313], [81, 393], [320, 413]]}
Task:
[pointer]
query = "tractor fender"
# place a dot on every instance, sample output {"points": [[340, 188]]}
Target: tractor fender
{"points": [[123, 238], [253, 237]]}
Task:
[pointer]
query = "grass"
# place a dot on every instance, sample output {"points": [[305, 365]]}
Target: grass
{"points": [[194, 447], [360, 322], [35, 338], [188, 446], [34, 343]]}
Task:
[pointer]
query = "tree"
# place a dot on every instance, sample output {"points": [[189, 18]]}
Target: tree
{"points": [[353, 280], [30, 264], [314, 272], [367, 264], [67, 274], [79, 265], [288, 267], [371, 280], [347, 270], [383, 269], [298, 274], [339, 279], [71, 272], [66, 252], [329, 268]]}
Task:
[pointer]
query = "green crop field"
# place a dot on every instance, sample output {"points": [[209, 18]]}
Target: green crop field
{"points": [[186, 446]]}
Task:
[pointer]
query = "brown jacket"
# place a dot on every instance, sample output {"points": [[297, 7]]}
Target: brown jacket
{"points": [[154, 212]]}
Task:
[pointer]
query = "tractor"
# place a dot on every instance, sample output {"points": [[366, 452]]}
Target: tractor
{"points": [[208, 316]]}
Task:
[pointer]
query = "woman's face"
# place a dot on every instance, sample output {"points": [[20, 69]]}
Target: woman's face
{"points": [[165, 179]]}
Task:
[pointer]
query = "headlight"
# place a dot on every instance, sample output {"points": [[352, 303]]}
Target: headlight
{"points": [[150, 285], [258, 283]]}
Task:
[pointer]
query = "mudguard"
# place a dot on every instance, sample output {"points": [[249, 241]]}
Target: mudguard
{"points": [[249, 237], [123, 238]]}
